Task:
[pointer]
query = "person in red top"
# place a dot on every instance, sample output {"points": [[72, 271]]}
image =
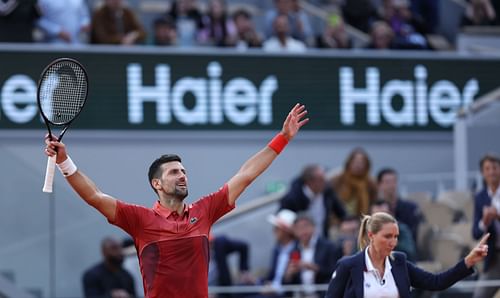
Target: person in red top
{"points": [[172, 237]]}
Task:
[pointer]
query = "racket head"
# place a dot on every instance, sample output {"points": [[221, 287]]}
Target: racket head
{"points": [[62, 91]]}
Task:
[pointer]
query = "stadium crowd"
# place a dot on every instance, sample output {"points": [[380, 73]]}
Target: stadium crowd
{"points": [[286, 25]]}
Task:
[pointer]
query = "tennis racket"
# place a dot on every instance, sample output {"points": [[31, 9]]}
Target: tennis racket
{"points": [[61, 95]]}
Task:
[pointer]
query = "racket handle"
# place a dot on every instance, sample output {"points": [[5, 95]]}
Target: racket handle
{"points": [[49, 174]]}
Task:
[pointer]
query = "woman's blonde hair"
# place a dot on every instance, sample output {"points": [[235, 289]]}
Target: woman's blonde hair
{"points": [[372, 223]]}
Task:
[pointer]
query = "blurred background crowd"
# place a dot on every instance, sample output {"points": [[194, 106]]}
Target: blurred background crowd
{"points": [[274, 25]]}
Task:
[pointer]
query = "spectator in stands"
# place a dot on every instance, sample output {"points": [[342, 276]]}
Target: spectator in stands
{"points": [[131, 263], [187, 18], [354, 185], [108, 278], [65, 22], [216, 28], [221, 247], [310, 193], [246, 35], [487, 220], [381, 36], [313, 258], [115, 23], [479, 13], [408, 31], [164, 32], [282, 41], [406, 243], [347, 235], [301, 25], [298, 21], [285, 243], [359, 13], [17, 20], [404, 211], [335, 35]]}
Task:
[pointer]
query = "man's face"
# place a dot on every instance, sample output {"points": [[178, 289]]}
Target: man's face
{"points": [[317, 182], [112, 252], [491, 173], [173, 181], [303, 230], [388, 186], [281, 25]]}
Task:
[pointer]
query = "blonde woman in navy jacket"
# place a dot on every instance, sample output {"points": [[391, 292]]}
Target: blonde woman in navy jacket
{"points": [[379, 272]]}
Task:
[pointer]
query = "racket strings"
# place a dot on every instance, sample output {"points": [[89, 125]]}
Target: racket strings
{"points": [[63, 92]]}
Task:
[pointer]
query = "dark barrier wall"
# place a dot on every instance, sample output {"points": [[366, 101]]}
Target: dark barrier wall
{"points": [[159, 89]]}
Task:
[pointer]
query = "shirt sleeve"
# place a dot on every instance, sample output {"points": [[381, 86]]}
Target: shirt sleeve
{"points": [[216, 204], [128, 217]]}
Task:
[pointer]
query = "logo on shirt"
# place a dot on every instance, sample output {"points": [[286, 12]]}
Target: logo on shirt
{"points": [[193, 220]]}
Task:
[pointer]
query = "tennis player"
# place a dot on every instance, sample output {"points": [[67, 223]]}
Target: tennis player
{"points": [[377, 271], [172, 237]]}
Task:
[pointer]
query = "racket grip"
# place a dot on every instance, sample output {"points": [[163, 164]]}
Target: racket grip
{"points": [[49, 174]]}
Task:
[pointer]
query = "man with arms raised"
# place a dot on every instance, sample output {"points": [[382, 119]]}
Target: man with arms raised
{"points": [[172, 237]]}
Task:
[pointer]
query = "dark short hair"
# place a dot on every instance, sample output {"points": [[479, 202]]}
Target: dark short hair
{"points": [[241, 12], [308, 172], [385, 171], [306, 217], [155, 168], [164, 21], [488, 157]]}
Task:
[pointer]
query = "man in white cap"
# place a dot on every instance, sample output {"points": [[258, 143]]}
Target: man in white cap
{"points": [[285, 242]]}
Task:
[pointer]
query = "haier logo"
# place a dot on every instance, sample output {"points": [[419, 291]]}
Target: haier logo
{"points": [[238, 100], [18, 99], [420, 102]]}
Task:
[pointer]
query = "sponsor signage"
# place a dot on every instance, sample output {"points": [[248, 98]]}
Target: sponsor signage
{"points": [[154, 90]]}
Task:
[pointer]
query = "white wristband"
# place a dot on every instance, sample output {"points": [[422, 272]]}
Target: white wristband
{"points": [[67, 167]]}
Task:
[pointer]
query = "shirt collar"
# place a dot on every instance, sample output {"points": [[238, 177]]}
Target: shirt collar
{"points": [[369, 264], [166, 212], [492, 194]]}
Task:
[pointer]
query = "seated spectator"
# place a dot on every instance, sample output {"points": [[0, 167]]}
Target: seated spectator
{"points": [[108, 278], [281, 7], [347, 235], [216, 28], [404, 211], [64, 21], [354, 186], [408, 32], [187, 19], [164, 32], [114, 23], [406, 243], [313, 258], [301, 28], [246, 35], [479, 13], [282, 41], [221, 247], [335, 35], [285, 243], [299, 24], [359, 13], [17, 20], [309, 193], [381, 37]]}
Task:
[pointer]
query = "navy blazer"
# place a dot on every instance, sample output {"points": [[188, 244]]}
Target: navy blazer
{"points": [[348, 277], [297, 201], [481, 200], [223, 247]]}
